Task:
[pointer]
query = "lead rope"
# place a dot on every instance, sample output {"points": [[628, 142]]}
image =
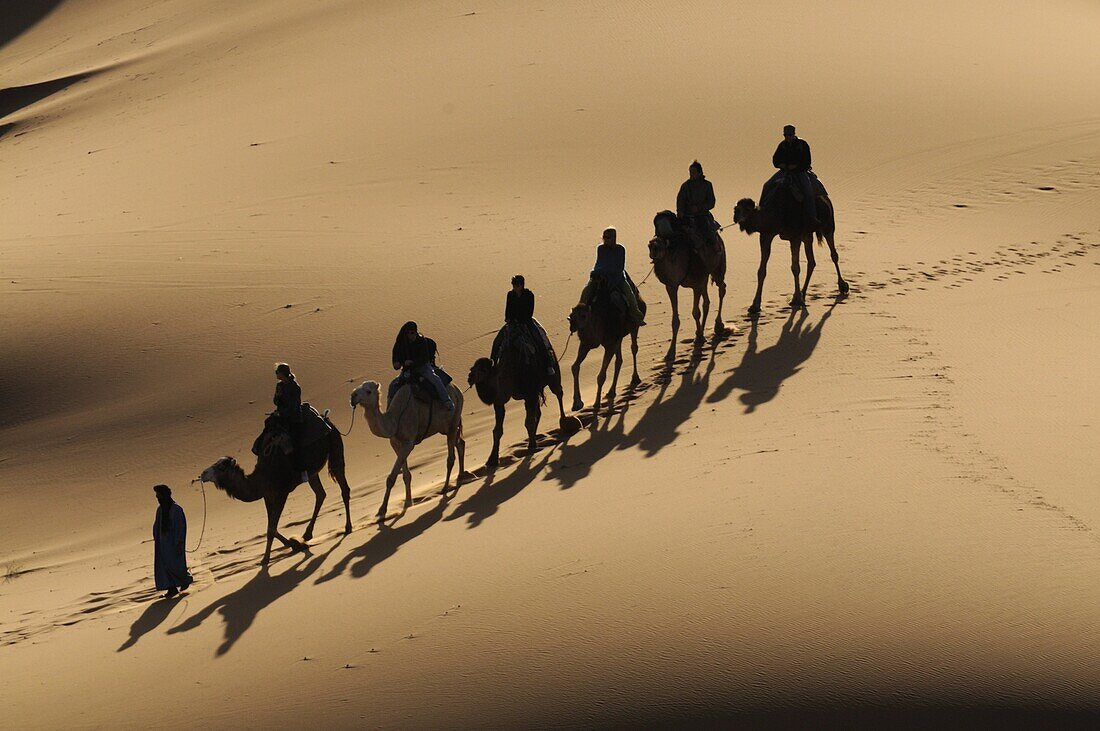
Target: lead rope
{"points": [[345, 433], [202, 533], [566, 349]]}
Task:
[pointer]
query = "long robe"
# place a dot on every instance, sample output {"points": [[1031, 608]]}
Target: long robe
{"points": [[169, 556]]}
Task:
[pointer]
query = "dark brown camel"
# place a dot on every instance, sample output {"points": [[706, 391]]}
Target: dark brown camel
{"points": [[511, 377], [769, 224], [275, 477], [677, 262], [602, 324]]}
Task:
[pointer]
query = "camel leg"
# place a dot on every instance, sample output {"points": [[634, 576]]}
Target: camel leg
{"points": [[615, 375], [319, 495], [761, 272], [796, 301], [582, 353], [695, 315], [402, 450], [706, 311], [556, 389], [498, 432], [601, 378], [274, 507], [460, 445], [719, 326], [345, 494], [534, 416], [635, 379], [450, 461], [674, 298], [808, 245], [840, 283], [407, 475]]}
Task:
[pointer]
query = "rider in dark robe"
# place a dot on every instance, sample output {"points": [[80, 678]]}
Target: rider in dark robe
{"points": [[793, 160], [611, 266], [288, 402], [695, 201], [413, 353], [519, 320]]}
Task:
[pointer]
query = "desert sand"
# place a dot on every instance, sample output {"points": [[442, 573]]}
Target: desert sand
{"points": [[880, 508]]}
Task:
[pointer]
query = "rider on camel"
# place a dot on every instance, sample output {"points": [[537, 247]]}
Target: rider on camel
{"points": [[611, 266], [519, 316], [694, 203], [792, 159], [288, 402], [415, 354]]}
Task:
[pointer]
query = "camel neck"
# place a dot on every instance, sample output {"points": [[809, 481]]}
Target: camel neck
{"points": [[244, 487], [379, 423]]}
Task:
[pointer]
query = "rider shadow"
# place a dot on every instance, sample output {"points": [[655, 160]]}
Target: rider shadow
{"points": [[491, 495], [761, 372], [576, 460], [658, 427], [240, 608], [385, 543], [150, 619]]}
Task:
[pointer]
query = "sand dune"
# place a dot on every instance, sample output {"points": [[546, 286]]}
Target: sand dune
{"points": [[880, 508]]}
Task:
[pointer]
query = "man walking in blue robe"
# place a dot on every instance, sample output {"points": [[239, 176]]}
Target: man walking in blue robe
{"points": [[169, 538]]}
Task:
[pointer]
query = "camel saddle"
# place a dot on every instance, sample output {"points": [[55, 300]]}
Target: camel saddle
{"points": [[275, 436], [676, 231], [421, 391]]}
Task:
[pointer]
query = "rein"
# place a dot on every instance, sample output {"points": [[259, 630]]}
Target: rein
{"points": [[345, 433], [202, 485]]}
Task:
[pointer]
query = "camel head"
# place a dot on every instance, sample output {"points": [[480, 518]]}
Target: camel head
{"points": [[665, 226], [219, 472], [222, 472], [658, 247], [579, 317], [744, 214], [366, 394], [480, 371]]}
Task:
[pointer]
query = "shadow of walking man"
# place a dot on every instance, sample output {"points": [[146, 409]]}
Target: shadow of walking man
{"points": [[149, 620], [762, 372]]}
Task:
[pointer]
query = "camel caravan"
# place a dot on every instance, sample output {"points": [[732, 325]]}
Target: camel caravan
{"points": [[686, 251]]}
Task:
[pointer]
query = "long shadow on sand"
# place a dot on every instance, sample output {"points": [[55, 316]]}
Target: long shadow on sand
{"points": [[240, 608], [22, 15], [575, 460], [15, 98], [492, 494], [659, 425], [153, 616], [385, 543], [762, 372]]}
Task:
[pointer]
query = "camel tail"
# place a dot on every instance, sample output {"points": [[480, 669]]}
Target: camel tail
{"points": [[336, 464]]}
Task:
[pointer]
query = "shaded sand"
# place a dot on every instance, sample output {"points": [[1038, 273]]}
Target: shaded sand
{"points": [[878, 509]]}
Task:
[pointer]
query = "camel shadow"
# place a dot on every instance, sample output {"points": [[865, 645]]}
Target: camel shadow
{"points": [[761, 373], [385, 543], [492, 494], [240, 608], [150, 619], [576, 460], [659, 425]]}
